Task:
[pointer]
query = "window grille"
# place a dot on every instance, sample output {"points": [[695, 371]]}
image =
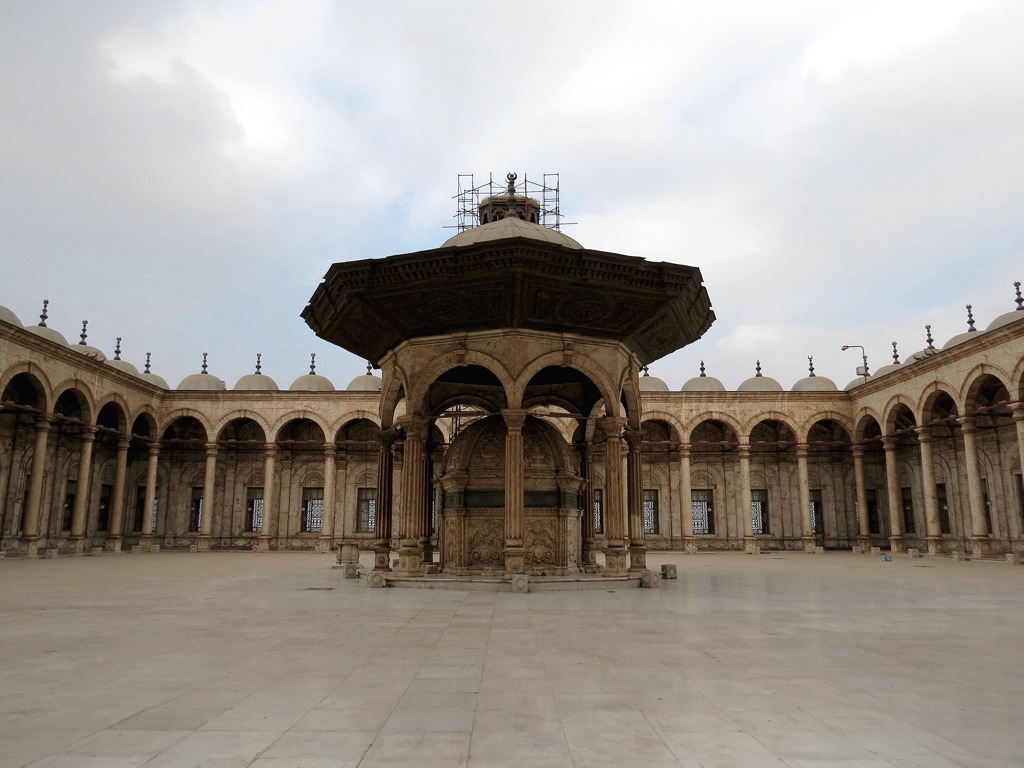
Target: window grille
{"points": [[69, 504], [312, 510], [940, 493], [598, 510], [650, 511], [196, 511], [152, 520], [817, 513], [140, 508], [759, 511], [874, 524], [254, 510], [702, 511], [103, 518], [367, 510], [907, 499]]}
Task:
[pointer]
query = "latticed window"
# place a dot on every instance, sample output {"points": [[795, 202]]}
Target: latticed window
{"points": [[598, 510], [650, 510], [703, 511], [254, 510], [139, 519], [759, 511], [312, 510], [907, 499], [69, 504], [103, 518], [366, 510], [874, 525], [1020, 496], [817, 512], [156, 506], [195, 518], [940, 493]]}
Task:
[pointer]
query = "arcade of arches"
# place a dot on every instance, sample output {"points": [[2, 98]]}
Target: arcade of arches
{"points": [[567, 463]]}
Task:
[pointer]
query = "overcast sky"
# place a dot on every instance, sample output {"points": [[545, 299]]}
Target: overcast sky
{"points": [[182, 174]]}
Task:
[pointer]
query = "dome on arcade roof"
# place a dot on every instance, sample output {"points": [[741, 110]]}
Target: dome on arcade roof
{"points": [[650, 383], [814, 383], [202, 381], [311, 382], [857, 382], [960, 338], [367, 382], [152, 378], [256, 381], [703, 383], [88, 350], [121, 365], [1004, 319], [7, 316], [893, 366], [507, 228], [759, 383], [43, 331]]}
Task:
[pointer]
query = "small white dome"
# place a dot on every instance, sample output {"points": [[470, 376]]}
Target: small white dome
{"points": [[960, 338], [258, 382], [703, 384], [156, 381], [815, 384], [47, 333], [365, 383], [1004, 319], [922, 355], [760, 384], [124, 365], [856, 382], [510, 227], [7, 316], [312, 382], [89, 351], [886, 369], [202, 381], [650, 383]]}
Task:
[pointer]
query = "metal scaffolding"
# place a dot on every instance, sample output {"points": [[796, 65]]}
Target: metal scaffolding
{"points": [[470, 194]]}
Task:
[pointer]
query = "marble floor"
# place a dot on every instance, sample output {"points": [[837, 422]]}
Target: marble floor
{"points": [[275, 661]]}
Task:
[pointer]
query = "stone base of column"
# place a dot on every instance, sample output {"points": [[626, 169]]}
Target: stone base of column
{"points": [[588, 557], [936, 545], [410, 558], [637, 557], [897, 545], [615, 560], [348, 559], [690, 545], [751, 545], [810, 544], [515, 559], [426, 552], [28, 546], [324, 544], [204, 543], [75, 547], [864, 542], [262, 544], [146, 542], [382, 556], [112, 544], [981, 546]]}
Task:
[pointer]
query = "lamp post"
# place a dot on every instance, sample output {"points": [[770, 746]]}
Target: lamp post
{"points": [[863, 369]]}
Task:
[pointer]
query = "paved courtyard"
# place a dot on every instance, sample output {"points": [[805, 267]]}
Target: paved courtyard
{"points": [[276, 661]]}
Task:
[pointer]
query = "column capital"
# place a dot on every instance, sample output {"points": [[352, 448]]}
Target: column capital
{"points": [[514, 419], [684, 450], [89, 433], [387, 437], [966, 423], [889, 443], [924, 434], [801, 450], [330, 449], [743, 449], [269, 449], [634, 438], [44, 422], [211, 449], [123, 444], [154, 448], [612, 426], [1017, 409], [858, 451], [415, 427]]}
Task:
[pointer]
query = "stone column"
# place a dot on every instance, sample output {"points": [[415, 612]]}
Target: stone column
{"points": [[981, 543], [635, 501], [76, 542], [589, 554], [326, 540], [152, 465], [675, 509], [426, 511], [892, 489], [385, 487], [115, 534], [864, 530], [209, 489], [806, 525], [515, 555], [1018, 417], [746, 513], [686, 492], [410, 556], [28, 544], [269, 456], [931, 500], [614, 511]]}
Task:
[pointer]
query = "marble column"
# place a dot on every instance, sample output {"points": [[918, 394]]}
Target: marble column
{"points": [[864, 529], [209, 490], [635, 501], [676, 503], [1018, 418], [981, 543], [269, 508], [116, 532], [746, 511], [589, 529], [426, 548], [804, 487], [326, 540], [76, 542], [152, 465], [931, 499], [385, 506], [614, 509], [686, 494], [28, 544], [515, 555], [892, 490], [410, 556]]}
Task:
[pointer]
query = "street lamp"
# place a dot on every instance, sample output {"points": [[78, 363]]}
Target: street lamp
{"points": [[862, 370]]}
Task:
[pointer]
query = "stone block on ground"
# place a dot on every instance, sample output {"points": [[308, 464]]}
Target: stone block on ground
{"points": [[668, 571], [520, 583]]}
